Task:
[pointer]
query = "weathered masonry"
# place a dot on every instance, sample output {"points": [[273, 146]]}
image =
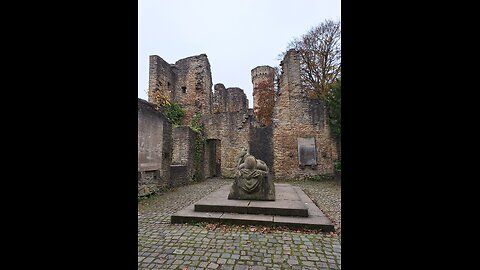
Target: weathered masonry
{"points": [[300, 123], [154, 149], [286, 128], [187, 82]]}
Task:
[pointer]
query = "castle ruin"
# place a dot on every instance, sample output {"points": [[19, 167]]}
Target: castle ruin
{"points": [[286, 129]]}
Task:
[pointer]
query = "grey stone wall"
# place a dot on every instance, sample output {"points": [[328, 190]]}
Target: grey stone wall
{"points": [[183, 158], [232, 99], [230, 124], [183, 145], [232, 129], [180, 175], [154, 149]]}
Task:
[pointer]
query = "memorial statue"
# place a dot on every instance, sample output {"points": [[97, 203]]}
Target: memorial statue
{"points": [[252, 179], [261, 165]]}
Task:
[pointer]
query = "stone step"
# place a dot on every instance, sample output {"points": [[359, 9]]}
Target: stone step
{"points": [[188, 215], [315, 219]]}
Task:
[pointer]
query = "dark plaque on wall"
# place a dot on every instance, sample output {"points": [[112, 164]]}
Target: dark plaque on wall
{"points": [[307, 154]]}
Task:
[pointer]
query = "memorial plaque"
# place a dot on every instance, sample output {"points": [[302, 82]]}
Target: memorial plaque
{"points": [[307, 153]]}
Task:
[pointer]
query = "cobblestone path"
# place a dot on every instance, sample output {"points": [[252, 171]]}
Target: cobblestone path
{"points": [[162, 245]]}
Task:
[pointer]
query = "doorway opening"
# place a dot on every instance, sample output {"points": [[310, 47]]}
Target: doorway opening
{"points": [[214, 158]]}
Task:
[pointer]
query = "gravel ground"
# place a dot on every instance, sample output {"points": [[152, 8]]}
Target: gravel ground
{"points": [[162, 245]]}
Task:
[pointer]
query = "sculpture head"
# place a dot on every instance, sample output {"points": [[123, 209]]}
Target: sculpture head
{"points": [[243, 151], [250, 163]]}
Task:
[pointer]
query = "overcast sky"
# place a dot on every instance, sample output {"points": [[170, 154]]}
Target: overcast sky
{"points": [[237, 36]]}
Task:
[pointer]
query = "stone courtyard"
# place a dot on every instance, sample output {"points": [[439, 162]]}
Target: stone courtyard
{"points": [[162, 245], [222, 167]]}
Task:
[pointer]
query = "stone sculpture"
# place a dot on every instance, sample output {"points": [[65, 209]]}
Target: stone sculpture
{"points": [[252, 179]]}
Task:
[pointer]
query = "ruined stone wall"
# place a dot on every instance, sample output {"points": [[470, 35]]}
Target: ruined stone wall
{"points": [[297, 116], [154, 149], [232, 129], [183, 145], [230, 124], [231, 99], [220, 99], [183, 156], [188, 82], [162, 79], [193, 88], [263, 94], [271, 130]]}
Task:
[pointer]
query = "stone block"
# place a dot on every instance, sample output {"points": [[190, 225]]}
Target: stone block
{"points": [[311, 222], [188, 215], [247, 219], [279, 207]]}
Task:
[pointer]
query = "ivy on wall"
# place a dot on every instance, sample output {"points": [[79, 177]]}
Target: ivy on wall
{"points": [[172, 111], [264, 113]]}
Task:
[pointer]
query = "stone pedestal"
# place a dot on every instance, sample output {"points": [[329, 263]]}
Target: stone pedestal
{"points": [[292, 208]]}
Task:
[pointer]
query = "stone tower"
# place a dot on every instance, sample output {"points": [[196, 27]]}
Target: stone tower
{"points": [[161, 80], [263, 94], [188, 82]]}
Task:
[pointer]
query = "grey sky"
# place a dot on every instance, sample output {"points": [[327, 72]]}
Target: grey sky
{"points": [[237, 36]]}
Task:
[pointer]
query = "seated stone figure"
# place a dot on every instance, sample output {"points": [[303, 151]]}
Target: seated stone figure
{"points": [[252, 180], [261, 165]]}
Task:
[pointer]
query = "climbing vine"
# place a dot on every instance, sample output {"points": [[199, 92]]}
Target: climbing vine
{"points": [[172, 111], [195, 123]]}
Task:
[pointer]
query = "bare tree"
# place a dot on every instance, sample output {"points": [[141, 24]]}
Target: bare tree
{"points": [[320, 51]]}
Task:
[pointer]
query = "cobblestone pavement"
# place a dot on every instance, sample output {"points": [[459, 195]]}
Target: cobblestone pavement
{"points": [[326, 195], [162, 245]]}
